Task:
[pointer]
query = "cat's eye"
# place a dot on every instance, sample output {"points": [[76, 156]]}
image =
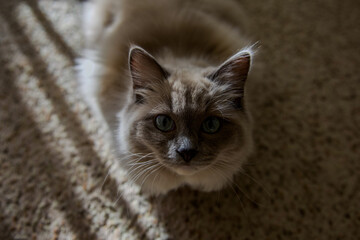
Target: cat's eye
{"points": [[164, 123], [211, 125]]}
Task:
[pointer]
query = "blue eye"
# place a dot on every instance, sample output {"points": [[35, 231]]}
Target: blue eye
{"points": [[211, 125], [164, 123]]}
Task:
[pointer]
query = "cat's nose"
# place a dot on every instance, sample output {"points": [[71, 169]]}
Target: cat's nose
{"points": [[187, 154]]}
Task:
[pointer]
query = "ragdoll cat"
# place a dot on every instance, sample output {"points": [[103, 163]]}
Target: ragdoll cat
{"points": [[168, 76]]}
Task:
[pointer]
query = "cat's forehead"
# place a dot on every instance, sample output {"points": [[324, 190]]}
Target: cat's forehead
{"points": [[190, 90]]}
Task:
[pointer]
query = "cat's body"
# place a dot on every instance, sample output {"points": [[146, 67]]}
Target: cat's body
{"points": [[176, 109]]}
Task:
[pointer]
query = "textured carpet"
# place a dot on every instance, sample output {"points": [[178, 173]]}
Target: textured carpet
{"points": [[302, 182]]}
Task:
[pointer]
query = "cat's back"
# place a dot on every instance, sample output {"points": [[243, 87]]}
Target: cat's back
{"points": [[200, 27]]}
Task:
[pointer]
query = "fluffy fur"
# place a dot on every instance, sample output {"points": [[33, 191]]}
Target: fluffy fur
{"points": [[189, 68]]}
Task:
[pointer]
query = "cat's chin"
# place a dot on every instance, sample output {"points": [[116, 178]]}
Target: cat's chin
{"points": [[185, 170]]}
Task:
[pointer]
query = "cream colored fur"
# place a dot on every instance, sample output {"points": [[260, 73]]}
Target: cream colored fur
{"points": [[209, 32]]}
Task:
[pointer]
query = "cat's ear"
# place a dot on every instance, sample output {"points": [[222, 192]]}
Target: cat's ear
{"points": [[145, 71], [233, 73]]}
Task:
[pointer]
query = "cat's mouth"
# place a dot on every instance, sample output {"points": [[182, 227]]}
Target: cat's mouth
{"points": [[182, 168], [185, 170]]}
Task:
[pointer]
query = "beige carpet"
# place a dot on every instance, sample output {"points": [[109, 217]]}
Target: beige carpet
{"points": [[303, 181]]}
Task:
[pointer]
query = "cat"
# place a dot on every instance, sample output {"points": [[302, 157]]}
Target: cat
{"points": [[168, 77]]}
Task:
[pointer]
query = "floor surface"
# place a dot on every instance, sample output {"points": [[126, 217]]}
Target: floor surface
{"points": [[303, 181]]}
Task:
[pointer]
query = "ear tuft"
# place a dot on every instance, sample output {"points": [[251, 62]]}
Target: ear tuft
{"points": [[234, 70], [233, 74]]}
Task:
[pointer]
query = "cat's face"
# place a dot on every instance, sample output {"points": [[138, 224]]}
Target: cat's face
{"points": [[188, 121]]}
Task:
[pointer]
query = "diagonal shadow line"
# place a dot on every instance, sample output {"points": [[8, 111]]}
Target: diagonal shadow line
{"points": [[60, 44], [49, 167], [72, 125]]}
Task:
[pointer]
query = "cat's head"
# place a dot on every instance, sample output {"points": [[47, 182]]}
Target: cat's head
{"points": [[185, 125]]}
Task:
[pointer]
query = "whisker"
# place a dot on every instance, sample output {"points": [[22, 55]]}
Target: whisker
{"points": [[152, 184], [146, 177], [259, 184], [215, 170], [238, 187], [141, 163], [107, 175], [134, 168], [138, 155], [141, 173], [118, 197]]}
